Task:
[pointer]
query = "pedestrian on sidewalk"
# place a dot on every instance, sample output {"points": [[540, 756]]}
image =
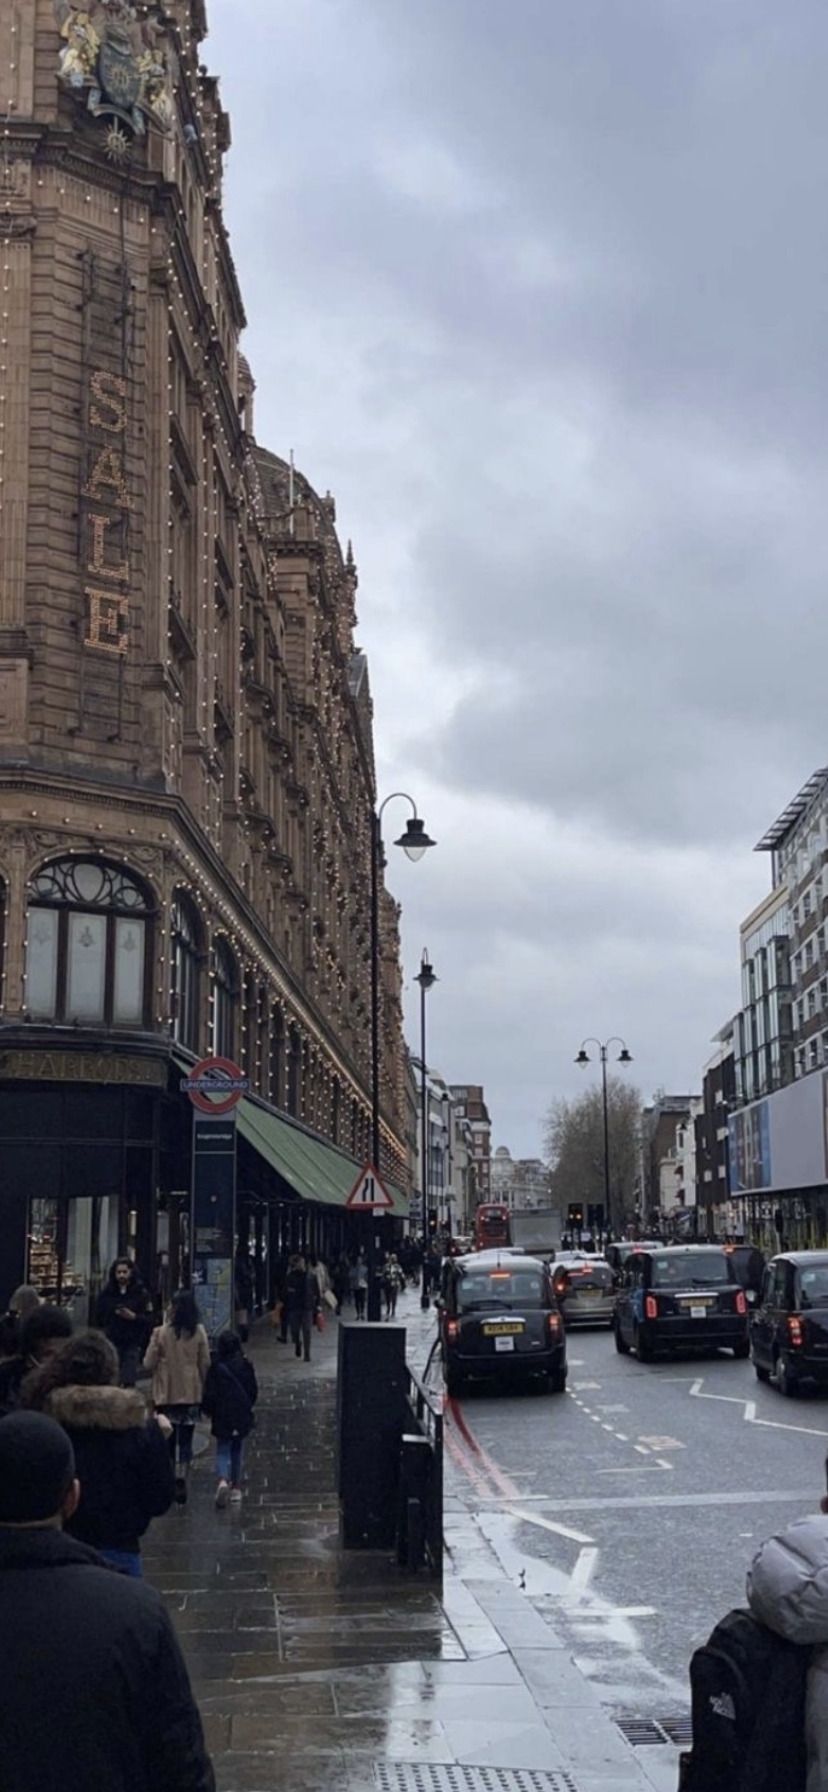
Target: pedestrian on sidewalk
{"points": [[122, 1457], [280, 1275], [393, 1281], [245, 1289], [302, 1303], [230, 1394], [40, 1334], [359, 1285], [341, 1282], [95, 1690], [179, 1357], [123, 1315]]}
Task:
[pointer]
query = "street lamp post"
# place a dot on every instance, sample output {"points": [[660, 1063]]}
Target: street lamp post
{"points": [[426, 980], [414, 842], [623, 1058]]}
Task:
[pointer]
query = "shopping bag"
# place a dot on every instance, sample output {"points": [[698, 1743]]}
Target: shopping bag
{"points": [[330, 1299], [319, 1320]]}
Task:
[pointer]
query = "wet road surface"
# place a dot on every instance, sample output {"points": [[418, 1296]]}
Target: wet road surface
{"points": [[629, 1509]]}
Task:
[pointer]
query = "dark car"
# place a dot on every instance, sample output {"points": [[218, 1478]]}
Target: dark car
{"points": [[617, 1254], [789, 1325], [500, 1322], [680, 1297], [585, 1287]]}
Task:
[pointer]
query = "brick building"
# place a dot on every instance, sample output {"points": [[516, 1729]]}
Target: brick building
{"points": [[186, 763]]}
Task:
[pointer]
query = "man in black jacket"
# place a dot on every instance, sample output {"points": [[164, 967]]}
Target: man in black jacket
{"points": [[95, 1690]]}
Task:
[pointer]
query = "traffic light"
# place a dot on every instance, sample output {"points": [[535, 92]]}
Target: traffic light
{"points": [[432, 1220], [576, 1214]]}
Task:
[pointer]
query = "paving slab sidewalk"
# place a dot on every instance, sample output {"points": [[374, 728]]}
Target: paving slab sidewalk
{"points": [[322, 1670]]}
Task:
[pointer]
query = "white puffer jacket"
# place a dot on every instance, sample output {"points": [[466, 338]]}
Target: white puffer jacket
{"points": [[787, 1588]]}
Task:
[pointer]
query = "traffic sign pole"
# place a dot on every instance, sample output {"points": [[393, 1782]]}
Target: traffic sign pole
{"points": [[215, 1088]]}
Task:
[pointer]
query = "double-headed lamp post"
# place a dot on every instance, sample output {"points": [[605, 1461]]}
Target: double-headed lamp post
{"points": [[414, 842], [623, 1058], [426, 979]]}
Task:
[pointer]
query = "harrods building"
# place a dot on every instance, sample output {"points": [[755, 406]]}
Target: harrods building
{"points": [[186, 764]]}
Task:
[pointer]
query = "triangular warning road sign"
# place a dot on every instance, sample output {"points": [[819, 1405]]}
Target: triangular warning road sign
{"points": [[369, 1192]]}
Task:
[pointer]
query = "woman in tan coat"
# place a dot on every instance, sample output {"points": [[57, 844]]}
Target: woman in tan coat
{"points": [[179, 1357]]}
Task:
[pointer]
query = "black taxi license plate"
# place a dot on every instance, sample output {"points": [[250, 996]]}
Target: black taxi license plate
{"points": [[502, 1328], [698, 1300]]}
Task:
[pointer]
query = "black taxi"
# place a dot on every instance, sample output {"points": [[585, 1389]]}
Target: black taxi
{"points": [[500, 1322], [680, 1297], [789, 1324]]}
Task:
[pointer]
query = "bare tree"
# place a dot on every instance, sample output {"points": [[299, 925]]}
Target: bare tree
{"points": [[575, 1148]]}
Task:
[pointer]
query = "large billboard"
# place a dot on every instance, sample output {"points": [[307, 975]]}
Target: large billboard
{"points": [[782, 1142]]}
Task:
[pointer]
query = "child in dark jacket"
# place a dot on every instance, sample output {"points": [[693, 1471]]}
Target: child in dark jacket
{"points": [[230, 1394]]}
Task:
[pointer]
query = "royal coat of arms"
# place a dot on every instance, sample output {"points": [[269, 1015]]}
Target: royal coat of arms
{"points": [[115, 58]]}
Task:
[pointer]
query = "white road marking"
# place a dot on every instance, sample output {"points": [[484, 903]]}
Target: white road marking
{"points": [[622, 1437], [662, 1463], [613, 1408], [547, 1524], [583, 1571], [650, 1468], [610, 1502], [642, 1449], [662, 1443], [583, 1386], [749, 1412]]}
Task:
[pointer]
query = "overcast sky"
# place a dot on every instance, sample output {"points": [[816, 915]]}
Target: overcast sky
{"points": [[538, 289]]}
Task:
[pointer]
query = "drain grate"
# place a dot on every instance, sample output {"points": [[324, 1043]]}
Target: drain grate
{"points": [[649, 1732], [403, 1776], [678, 1730]]}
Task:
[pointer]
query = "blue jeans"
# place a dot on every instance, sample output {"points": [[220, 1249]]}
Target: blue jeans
{"points": [[125, 1560], [229, 1459]]}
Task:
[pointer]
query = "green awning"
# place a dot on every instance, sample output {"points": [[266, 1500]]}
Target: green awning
{"points": [[317, 1172]]}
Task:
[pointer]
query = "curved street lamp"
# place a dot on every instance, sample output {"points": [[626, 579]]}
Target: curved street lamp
{"points": [[582, 1059], [414, 842]]}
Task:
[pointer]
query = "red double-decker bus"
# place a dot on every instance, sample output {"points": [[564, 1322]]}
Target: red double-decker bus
{"points": [[491, 1226]]}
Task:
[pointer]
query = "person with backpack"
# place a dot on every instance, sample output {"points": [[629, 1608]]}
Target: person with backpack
{"points": [[788, 1592], [302, 1302], [230, 1394], [759, 1685]]}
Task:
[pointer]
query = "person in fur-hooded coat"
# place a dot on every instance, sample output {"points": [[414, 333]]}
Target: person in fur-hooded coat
{"points": [[122, 1457]]}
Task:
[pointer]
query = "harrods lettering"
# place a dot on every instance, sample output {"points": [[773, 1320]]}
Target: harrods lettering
{"points": [[106, 537]]}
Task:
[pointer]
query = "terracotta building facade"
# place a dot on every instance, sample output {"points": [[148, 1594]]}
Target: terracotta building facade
{"points": [[186, 762]]}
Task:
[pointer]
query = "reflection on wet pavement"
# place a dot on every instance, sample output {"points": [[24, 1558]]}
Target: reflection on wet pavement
{"points": [[303, 1659]]}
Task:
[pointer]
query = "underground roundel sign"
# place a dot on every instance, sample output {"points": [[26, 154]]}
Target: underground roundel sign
{"points": [[216, 1085]]}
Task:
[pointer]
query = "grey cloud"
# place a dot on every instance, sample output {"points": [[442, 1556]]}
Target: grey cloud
{"points": [[538, 289]]}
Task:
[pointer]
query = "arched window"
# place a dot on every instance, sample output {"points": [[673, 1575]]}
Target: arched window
{"points": [[225, 998], [186, 973], [88, 958]]}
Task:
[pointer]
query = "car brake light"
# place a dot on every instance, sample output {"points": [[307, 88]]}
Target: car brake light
{"points": [[452, 1329], [795, 1334], [741, 1303], [553, 1323], [650, 1307]]}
